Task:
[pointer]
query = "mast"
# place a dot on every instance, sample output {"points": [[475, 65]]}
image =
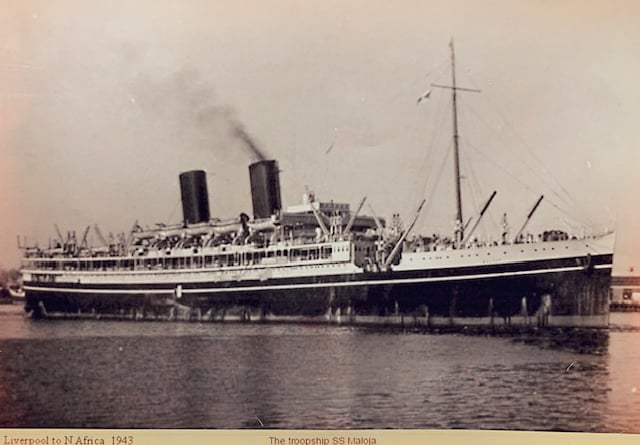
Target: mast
{"points": [[460, 226], [456, 151]]}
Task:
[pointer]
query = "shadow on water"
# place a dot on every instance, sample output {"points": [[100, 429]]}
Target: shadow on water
{"points": [[581, 341]]}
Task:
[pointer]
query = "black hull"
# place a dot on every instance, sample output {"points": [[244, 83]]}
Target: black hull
{"points": [[541, 294]]}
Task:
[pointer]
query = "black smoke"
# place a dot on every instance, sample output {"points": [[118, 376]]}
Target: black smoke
{"points": [[240, 133], [185, 99]]}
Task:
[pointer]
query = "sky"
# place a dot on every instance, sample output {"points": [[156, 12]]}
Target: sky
{"points": [[104, 104]]}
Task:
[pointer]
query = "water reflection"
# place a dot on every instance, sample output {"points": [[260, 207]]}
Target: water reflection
{"points": [[581, 341], [178, 375]]}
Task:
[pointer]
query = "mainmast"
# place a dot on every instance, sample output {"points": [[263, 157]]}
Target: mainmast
{"points": [[456, 151]]}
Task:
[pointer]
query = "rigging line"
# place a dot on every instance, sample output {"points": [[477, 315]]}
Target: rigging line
{"points": [[501, 167], [437, 180], [440, 67], [505, 122], [435, 172], [174, 210], [489, 222], [502, 142], [429, 170], [437, 130], [531, 152], [412, 86], [494, 226], [479, 196], [545, 179], [470, 176], [473, 184], [526, 186], [436, 134], [478, 192], [422, 172], [464, 158]]}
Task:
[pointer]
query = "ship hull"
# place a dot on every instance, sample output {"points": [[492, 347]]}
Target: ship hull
{"points": [[560, 292]]}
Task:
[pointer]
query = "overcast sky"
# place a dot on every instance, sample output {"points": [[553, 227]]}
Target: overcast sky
{"points": [[103, 104]]}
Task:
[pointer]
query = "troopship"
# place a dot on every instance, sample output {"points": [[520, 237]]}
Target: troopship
{"points": [[324, 262]]}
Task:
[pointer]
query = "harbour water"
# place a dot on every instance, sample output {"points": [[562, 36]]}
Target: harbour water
{"points": [[127, 374]]}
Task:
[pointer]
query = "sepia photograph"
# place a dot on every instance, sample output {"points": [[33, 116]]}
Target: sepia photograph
{"points": [[318, 216]]}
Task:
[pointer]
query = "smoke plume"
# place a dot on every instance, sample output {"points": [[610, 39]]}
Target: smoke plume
{"points": [[185, 100], [240, 133]]}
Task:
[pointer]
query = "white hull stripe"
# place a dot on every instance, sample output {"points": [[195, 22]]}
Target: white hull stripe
{"points": [[314, 285]]}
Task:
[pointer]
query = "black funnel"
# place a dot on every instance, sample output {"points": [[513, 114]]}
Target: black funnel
{"points": [[195, 197], [265, 188]]}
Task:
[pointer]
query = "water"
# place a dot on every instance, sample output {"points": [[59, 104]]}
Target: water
{"points": [[121, 374]]}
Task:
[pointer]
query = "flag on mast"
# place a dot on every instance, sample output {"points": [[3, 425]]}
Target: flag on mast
{"points": [[425, 96]]}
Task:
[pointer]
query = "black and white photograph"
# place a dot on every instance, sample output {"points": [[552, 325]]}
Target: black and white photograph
{"points": [[337, 215]]}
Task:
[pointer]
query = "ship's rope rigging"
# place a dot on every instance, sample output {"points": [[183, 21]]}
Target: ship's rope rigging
{"points": [[557, 195], [174, 210], [431, 187], [430, 170], [410, 89], [564, 201], [478, 193], [471, 181], [494, 150], [506, 170]]}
